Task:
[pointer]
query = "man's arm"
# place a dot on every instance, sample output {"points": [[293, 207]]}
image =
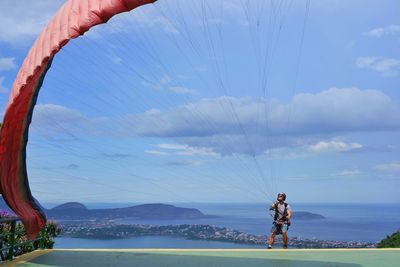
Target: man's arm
{"points": [[289, 214]]}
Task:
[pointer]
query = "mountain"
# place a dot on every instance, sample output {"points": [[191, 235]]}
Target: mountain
{"points": [[70, 206], [75, 210], [69, 210], [78, 211]]}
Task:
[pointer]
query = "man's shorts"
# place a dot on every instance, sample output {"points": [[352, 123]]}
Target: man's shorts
{"points": [[279, 228]]}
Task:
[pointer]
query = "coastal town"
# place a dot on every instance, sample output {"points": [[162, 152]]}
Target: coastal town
{"points": [[111, 230]]}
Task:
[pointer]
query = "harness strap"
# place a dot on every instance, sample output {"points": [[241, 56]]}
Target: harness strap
{"points": [[277, 211]]}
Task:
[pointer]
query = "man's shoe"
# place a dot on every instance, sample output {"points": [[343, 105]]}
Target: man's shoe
{"points": [[285, 246], [269, 247]]}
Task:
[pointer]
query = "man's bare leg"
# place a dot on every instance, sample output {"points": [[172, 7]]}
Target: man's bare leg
{"points": [[271, 239], [285, 239]]}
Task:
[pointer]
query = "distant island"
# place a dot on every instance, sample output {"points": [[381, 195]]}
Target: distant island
{"points": [[78, 211]]}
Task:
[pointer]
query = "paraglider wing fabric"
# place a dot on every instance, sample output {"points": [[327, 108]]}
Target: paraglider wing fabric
{"points": [[73, 19]]}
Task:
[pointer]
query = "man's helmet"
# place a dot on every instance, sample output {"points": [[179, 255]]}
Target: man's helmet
{"points": [[283, 195]]}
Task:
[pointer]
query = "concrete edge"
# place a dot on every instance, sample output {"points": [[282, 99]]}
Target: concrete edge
{"points": [[224, 250], [25, 258]]}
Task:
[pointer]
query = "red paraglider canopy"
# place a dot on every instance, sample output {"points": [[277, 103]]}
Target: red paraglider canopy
{"points": [[73, 19]]}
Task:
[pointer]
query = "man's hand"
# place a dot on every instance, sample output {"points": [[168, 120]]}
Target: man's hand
{"points": [[272, 207]]}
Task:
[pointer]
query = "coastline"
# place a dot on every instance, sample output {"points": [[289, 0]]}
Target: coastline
{"points": [[110, 231]]}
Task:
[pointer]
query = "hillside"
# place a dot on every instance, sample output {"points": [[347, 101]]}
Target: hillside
{"points": [[392, 241], [75, 210]]}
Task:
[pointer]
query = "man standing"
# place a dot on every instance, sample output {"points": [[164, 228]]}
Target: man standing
{"points": [[281, 220]]}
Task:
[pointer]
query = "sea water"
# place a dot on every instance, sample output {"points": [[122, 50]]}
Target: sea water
{"points": [[343, 222]]}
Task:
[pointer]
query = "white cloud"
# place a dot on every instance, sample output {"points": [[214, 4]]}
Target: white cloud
{"points": [[21, 21], [333, 146], [348, 173], [181, 90], [234, 125], [297, 178], [171, 146], [115, 155], [150, 18], [116, 59], [186, 150], [285, 153], [330, 111], [186, 163], [197, 151], [216, 126], [389, 167], [52, 111], [7, 63], [387, 67], [165, 84], [3, 89], [381, 31], [144, 18], [156, 152], [51, 119]]}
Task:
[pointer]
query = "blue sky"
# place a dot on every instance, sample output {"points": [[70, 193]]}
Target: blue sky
{"points": [[215, 101]]}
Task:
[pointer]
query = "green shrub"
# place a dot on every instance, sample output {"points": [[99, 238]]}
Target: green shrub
{"points": [[392, 241], [50, 231]]}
